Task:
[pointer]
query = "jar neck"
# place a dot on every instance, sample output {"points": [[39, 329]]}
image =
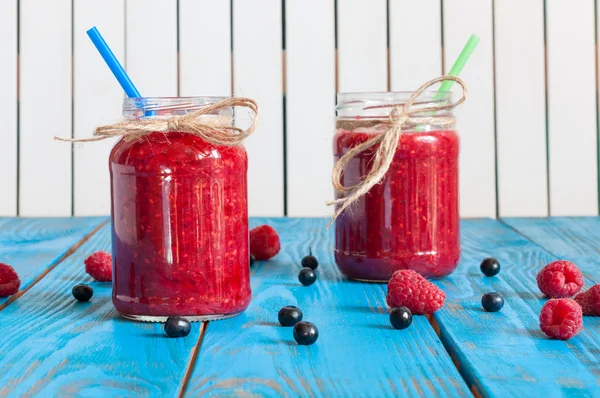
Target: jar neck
{"points": [[165, 107], [378, 105]]}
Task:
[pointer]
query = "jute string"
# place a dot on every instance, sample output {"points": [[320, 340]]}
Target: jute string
{"points": [[212, 128], [401, 116]]}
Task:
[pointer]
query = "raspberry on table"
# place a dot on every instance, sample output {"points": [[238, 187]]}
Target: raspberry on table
{"points": [[561, 318], [560, 279], [9, 280], [99, 266], [409, 289], [264, 242], [590, 301]]}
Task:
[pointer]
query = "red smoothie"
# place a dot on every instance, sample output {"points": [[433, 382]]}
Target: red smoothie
{"points": [[179, 228], [410, 219]]}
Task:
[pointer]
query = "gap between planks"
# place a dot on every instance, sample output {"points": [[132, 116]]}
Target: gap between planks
{"points": [[192, 362], [71, 250]]}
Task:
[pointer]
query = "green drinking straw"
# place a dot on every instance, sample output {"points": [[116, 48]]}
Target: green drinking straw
{"points": [[459, 64]]}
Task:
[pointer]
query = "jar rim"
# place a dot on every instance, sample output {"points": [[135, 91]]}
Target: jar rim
{"points": [[139, 106]]}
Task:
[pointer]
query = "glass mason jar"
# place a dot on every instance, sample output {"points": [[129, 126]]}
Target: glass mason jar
{"points": [[410, 219], [179, 220]]}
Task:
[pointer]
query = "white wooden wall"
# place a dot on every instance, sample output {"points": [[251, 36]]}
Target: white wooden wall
{"points": [[529, 130]]}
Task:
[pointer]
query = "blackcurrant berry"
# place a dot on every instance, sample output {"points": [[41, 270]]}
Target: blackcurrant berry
{"points": [[490, 267], [305, 333], [401, 317], [177, 326], [492, 302], [289, 315], [307, 276], [82, 292]]}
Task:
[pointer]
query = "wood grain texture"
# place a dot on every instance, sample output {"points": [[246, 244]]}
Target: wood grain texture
{"points": [[258, 74], [97, 100], [362, 45], [8, 105], [310, 52], [521, 119], [32, 245], [358, 352], [66, 348], [475, 119], [505, 353], [45, 105], [572, 125], [575, 239], [415, 46]]}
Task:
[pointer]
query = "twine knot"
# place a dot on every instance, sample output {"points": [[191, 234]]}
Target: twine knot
{"points": [[387, 142], [203, 123]]}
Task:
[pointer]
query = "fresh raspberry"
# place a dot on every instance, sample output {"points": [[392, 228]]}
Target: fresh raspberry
{"points": [[408, 289], [561, 318], [264, 242], [99, 266], [560, 279], [9, 280], [590, 301]]}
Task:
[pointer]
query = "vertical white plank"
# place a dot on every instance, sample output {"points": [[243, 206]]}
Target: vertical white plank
{"points": [[362, 45], [45, 97], [205, 47], [475, 119], [151, 52], [97, 101], [415, 43], [8, 106], [257, 73], [310, 90], [572, 130], [521, 109]]}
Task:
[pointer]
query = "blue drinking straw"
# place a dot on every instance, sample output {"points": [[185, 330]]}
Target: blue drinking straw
{"points": [[113, 63]]}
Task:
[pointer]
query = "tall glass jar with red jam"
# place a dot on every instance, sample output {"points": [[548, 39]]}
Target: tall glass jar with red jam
{"points": [[179, 219], [410, 219]]}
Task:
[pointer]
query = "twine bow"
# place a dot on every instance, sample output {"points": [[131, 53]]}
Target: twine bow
{"points": [[400, 115], [212, 128]]}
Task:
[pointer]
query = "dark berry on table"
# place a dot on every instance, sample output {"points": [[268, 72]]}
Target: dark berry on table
{"points": [[177, 326], [401, 318], [307, 276], [305, 333], [310, 261], [490, 267], [290, 315], [252, 260], [492, 302], [82, 292]]}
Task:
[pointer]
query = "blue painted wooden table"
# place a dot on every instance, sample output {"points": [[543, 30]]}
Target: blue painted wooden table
{"points": [[51, 345]]}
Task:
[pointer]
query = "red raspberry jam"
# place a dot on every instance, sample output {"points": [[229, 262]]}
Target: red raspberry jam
{"points": [[179, 228], [410, 219]]}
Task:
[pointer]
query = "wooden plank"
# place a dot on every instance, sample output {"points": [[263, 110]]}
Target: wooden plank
{"points": [[475, 120], [205, 47], [358, 353], [33, 245], [505, 353], [572, 132], [8, 106], [362, 45], [257, 74], [85, 349], [571, 238], [45, 187], [97, 100], [151, 46], [310, 88], [415, 45], [521, 118]]}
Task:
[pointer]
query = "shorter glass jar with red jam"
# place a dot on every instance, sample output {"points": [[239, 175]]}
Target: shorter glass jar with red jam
{"points": [[410, 219], [179, 219]]}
